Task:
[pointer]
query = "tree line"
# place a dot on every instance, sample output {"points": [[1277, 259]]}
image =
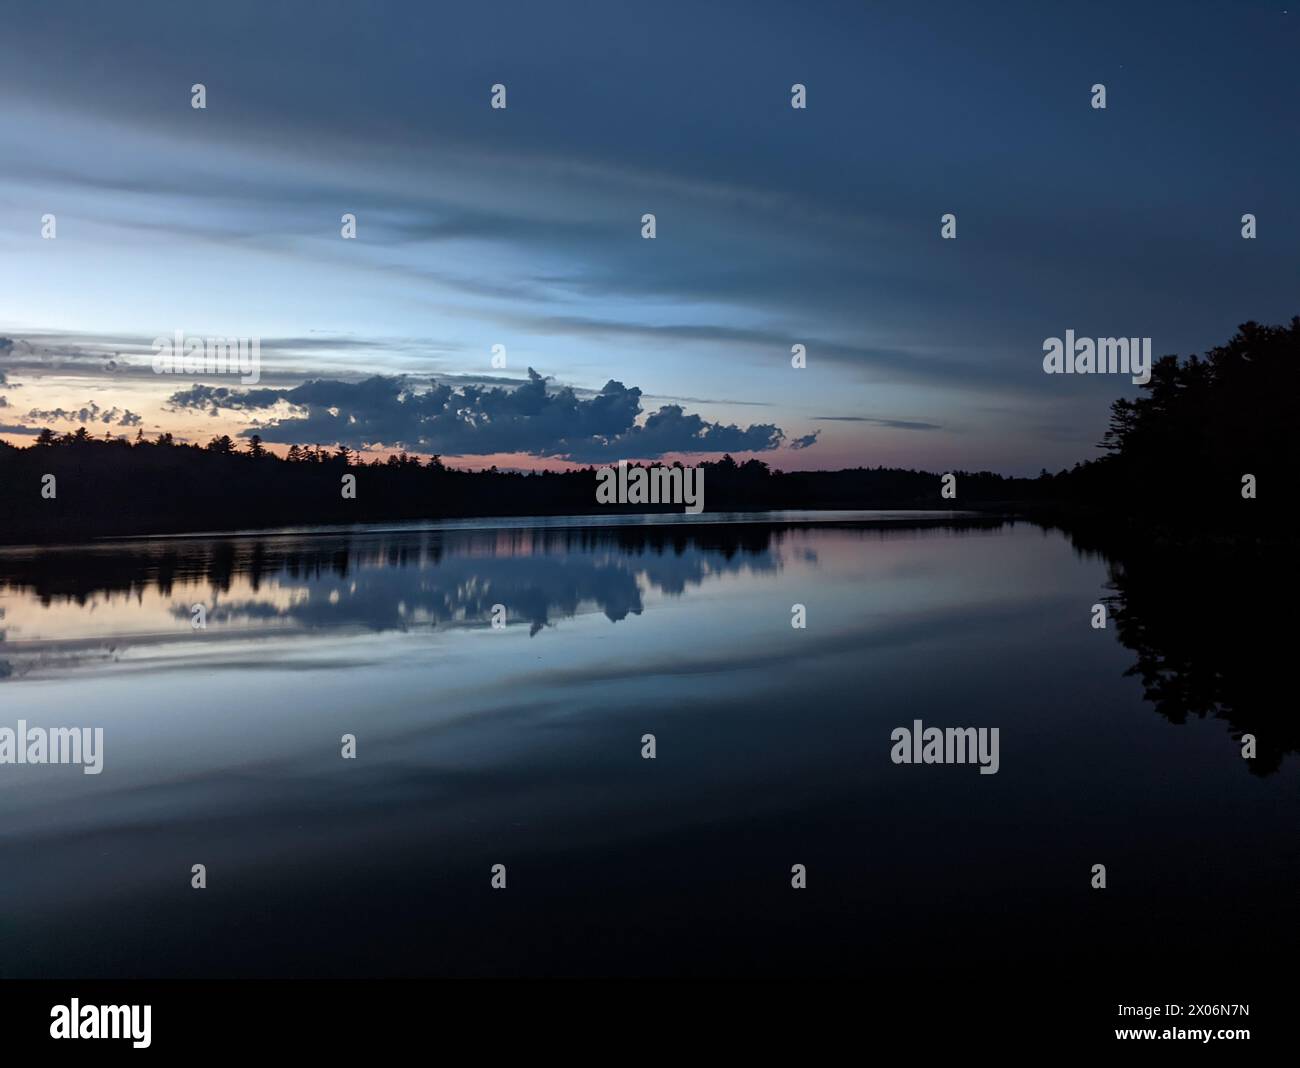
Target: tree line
{"points": [[1175, 456]]}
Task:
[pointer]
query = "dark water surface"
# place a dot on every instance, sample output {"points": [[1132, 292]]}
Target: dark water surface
{"points": [[522, 746]]}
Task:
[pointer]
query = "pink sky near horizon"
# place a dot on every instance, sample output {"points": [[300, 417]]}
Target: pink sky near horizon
{"points": [[782, 459]]}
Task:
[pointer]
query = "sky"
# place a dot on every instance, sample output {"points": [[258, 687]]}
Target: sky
{"points": [[522, 227]]}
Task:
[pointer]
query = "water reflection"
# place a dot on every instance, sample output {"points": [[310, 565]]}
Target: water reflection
{"points": [[1210, 632], [523, 746], [77, 604], [1205, 639]]}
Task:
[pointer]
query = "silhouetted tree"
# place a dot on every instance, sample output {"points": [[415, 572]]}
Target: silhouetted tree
{"points": [[1176, 455]]}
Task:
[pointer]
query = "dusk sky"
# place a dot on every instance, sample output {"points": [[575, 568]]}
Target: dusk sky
{"points": [[522, 227]]}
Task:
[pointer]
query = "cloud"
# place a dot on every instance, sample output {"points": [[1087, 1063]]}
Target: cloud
{"points": [[467, 419], [52, 354], [709, 400], [895, 424], [806, 441], [91, 413], [671, 430], [891, 363]]}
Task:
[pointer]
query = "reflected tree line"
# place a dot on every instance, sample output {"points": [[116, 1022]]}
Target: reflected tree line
{"points": [[78, 573], [1211, 640], [1205, 626], [1209, 626], [386, 581]]}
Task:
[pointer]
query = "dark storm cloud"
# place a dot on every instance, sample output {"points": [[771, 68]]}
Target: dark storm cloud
{"points": [[470, 419]]}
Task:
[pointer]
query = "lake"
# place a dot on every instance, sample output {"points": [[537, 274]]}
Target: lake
{"points": [[521, 745]]}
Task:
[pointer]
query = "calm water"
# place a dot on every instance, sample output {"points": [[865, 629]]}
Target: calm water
{"points": [[522, 746]]}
